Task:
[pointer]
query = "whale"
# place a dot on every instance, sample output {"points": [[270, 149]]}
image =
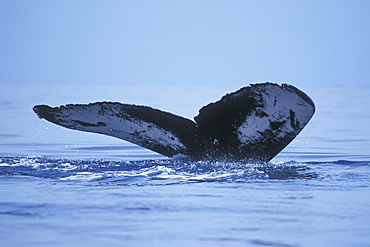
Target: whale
{"points": [[253, 123]]}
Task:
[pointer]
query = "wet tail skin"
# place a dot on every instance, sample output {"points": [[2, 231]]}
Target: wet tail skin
{"points": [[254, 123]]}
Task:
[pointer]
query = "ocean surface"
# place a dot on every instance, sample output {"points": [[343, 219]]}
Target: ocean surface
{"points": [[60, 187]]}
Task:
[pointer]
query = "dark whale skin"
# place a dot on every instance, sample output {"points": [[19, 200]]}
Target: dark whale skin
{"points": [[253, 124]]}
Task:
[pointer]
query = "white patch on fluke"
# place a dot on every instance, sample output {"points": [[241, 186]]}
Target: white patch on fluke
{"points": [[275, 106], [108, 120]]}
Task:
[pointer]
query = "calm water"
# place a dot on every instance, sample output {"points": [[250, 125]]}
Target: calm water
{"points": [[66, 188]]}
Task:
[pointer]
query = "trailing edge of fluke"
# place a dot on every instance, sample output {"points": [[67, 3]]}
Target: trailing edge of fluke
{"points": [[253, 124]]}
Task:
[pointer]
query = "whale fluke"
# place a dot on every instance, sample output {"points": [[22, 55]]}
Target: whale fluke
{"points": [[254, 123]]}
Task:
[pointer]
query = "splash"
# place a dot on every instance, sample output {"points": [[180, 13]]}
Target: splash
{"points": [[150, 171]]}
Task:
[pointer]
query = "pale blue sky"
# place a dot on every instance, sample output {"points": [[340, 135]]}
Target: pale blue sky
{"points": [[304, 43]]}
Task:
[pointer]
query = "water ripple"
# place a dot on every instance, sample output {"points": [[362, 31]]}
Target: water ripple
{"points": [[152, 171]]}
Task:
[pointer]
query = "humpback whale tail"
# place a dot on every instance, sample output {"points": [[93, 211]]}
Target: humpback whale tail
{"points": [[254, 123]]}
